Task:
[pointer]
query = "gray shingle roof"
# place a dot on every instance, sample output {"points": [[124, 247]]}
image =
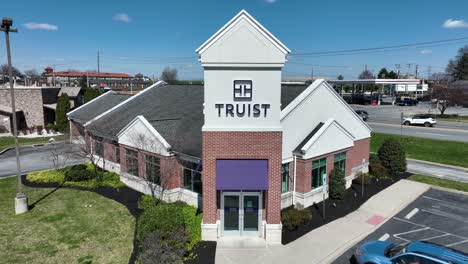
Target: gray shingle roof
{"points": [[97, 107], [175, 111], [306, 139]]}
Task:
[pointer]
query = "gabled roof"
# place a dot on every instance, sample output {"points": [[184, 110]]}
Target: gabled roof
{"points": [[243, 15], [97, 106], [325, 138], [70, 91]]}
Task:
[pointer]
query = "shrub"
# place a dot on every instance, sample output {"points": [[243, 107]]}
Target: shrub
{"points": [[39, 129], [392, 157], [78, 175], [163, 248], [337, 184], [377, 170], [164, 218], [292, 218], [360, 177], [78, 167]]}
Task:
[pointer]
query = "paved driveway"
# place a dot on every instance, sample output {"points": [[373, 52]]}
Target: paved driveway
{"points": [[436, 216], [39, 157]]}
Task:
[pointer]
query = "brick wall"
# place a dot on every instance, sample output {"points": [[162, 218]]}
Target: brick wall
{"points": [[109, 151], [354, 158], [242, 145], [76, 129], [27, 100]]}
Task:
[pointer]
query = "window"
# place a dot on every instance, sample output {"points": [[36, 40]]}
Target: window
{"points": [[99, 149], [285, 177], [410, 258], [340, 162], [132, 162], [152, 172], [319, 168], [117, 154], [192, 177]]}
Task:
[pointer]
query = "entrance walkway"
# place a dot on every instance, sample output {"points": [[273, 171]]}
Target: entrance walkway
{"points": [[324, 244]]}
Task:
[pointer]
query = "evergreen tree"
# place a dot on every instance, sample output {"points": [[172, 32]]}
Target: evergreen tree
{"points": [[83, 82], [392, 75], [337, 184], [383, 73], [461, 68], [63, 107], [90, 94], [340, 77], [392, 157]]}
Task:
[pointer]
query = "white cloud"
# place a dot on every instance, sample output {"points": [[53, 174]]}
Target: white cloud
{"points": [[426, 51], [452, 23], [41, 26], [122, 17], [270, 1]]}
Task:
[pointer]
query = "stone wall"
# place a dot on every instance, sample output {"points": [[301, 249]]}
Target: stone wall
{"points": [[29, 101]]}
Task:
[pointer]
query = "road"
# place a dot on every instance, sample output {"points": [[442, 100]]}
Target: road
{"points": [[425, 132], [439, 171], [40, 157], [436, 216], [387, 119]]}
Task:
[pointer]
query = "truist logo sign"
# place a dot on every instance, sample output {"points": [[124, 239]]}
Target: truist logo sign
{"points": [[243, 91]]}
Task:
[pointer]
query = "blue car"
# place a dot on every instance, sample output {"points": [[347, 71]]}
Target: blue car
{"points": [[420, 252]]}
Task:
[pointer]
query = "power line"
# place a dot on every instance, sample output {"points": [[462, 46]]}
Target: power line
{"points": [[341, 52]]}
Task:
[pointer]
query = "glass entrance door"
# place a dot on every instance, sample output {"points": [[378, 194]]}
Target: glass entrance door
{"points": [[241, 213]]}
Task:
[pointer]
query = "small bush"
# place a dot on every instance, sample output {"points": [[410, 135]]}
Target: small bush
{"points": [[377, 170], [292, 218], [39, 129], [78, 167], [363, 177], [163, 248], [164, 218], [337, 184], [79, 175], [392, 157]]}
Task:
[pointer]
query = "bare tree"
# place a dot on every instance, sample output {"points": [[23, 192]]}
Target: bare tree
{"points": [[169, 75], [157, 178], [446, 96], [89, 149], [59, 155]]}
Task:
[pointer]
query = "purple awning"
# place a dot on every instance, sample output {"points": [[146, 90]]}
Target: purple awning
{"points": [[242, 175]]}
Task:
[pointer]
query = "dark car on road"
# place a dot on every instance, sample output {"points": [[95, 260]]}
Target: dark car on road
{"points": [[406, 101], [363, 114]]}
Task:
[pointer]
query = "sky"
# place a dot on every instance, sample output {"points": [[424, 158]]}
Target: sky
{"points": [[146, 36]]}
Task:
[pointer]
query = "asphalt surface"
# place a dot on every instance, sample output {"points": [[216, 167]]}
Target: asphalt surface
{"points": [[439, 171], [33, 158], [387, 119], [436, 216]]}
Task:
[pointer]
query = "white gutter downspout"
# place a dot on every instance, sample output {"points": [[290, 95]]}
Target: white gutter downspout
{"points": [[294, 188]]}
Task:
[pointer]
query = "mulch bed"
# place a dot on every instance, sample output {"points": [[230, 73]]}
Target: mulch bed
{"points": [[335, 209], [204, 252]]}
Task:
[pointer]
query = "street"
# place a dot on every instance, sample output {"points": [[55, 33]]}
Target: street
{"points": [[436, 170], [41, 157], [387, 119], [436, 216]]}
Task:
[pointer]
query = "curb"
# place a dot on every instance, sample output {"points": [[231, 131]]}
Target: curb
{"points": [[439, 164], [32, 145]]}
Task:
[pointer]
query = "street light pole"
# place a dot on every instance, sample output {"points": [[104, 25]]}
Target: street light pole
{"points": [[21, 201]]}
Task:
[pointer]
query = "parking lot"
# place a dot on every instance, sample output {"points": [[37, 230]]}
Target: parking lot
{"points": [[436, 216]]}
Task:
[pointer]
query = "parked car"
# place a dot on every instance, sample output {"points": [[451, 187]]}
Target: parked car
{"points": [[363, 114], [421, 252], [406, 101], [426, 120]]}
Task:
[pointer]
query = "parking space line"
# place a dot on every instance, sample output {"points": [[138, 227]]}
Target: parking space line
{"points": [[442, 201], [409, 232], [434, 237], [457, 243], [384, 237], [412, 213], [409, 222]]}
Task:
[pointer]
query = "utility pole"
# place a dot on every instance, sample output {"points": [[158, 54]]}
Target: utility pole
{"points": [[429, 71], [312, 73], [98, 70], [21, 200], [417, 71], [409, 68], [398, 67]]}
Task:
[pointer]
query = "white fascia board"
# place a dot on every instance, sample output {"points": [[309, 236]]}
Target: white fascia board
{"points": [[235, 20], [125, 101], [87, 103], [145, 122]]}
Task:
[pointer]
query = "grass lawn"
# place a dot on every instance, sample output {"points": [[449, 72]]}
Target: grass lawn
{"points": [[453, 118], [6, 142], [65, 226], [455, 185], [440, 151]]}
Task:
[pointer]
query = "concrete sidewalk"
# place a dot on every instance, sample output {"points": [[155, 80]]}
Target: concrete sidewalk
{"points": [[328, 242]]}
